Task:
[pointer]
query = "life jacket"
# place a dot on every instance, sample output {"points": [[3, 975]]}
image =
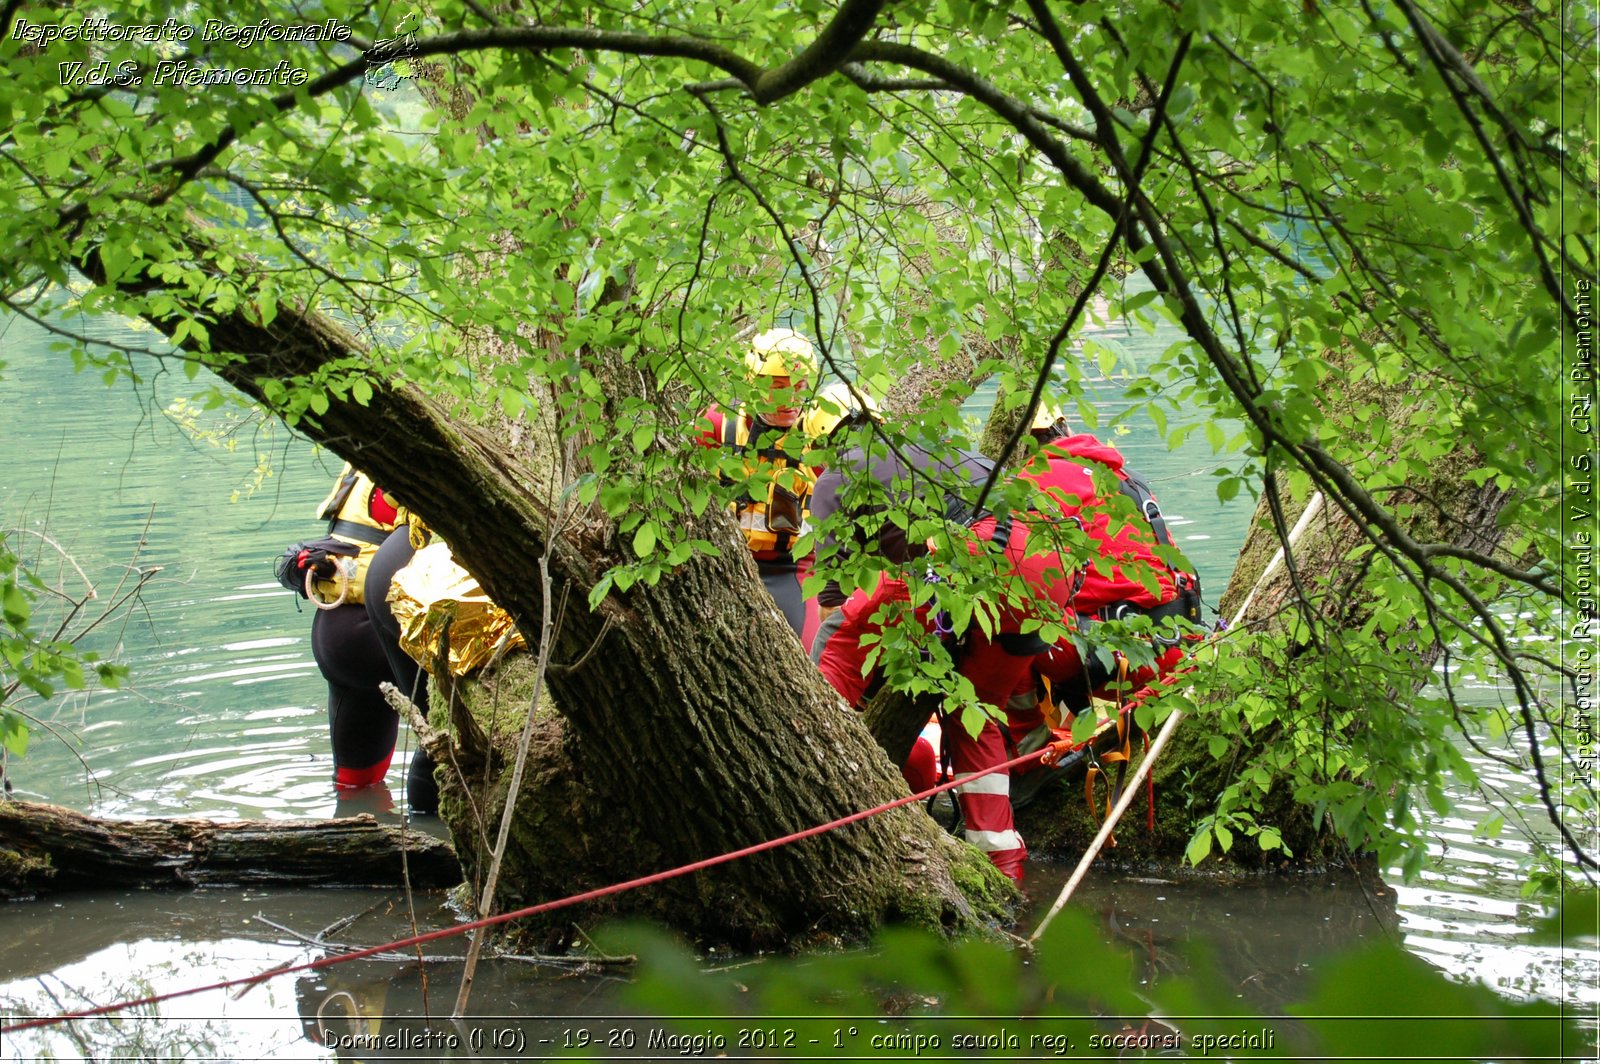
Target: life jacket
{"points": [[772, 521], [358, 512]]}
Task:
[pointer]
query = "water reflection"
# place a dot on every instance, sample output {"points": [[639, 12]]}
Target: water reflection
{"points": [[223, 712], [1263, 944], [90, 950], [1261, 939], [342, 1012]]}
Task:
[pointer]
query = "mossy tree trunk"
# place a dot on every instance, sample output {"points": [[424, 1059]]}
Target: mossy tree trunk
{"points": [[697, 728]]}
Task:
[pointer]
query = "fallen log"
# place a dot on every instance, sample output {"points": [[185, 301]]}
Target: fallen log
{"points": [[47, 848]]}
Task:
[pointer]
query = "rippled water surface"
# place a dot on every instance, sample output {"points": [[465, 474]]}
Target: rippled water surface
{"points": [[224, 711]]}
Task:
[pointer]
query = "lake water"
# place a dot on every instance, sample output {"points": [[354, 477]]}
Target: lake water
{"points": [[224, 716]]}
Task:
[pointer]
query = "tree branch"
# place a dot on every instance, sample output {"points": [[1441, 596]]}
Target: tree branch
{"points": [[822, 56]]}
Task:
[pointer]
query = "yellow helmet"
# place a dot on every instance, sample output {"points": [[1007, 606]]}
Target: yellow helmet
{"points": [[835, 403], [780, 353], [1049, 418]]}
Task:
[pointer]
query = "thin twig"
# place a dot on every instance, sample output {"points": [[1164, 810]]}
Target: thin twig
{"points": [[572, 963]]}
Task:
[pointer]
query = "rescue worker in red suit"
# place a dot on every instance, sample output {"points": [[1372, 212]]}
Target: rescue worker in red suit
{"points": [[994, 666], [1138, 583], [772, 513]]}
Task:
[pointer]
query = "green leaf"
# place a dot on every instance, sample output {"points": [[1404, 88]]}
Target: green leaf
{"points": [[15, 606], [644, 540], [598, 593], [14, 734], [72, 674], [1199, 847]]}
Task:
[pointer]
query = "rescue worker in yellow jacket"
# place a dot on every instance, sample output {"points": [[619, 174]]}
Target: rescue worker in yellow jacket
{"points": [[778, 484]]}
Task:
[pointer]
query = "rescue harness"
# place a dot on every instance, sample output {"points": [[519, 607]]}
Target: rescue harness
{"points": [[360, 517], [774, 522]]}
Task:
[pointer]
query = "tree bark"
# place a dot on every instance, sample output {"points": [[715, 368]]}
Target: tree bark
{"points": [[689, 760], [48, 848], [895, 719], [567, 837]]}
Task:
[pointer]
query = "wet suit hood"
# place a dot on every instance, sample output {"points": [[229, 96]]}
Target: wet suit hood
{"points": [[1087, 446]]}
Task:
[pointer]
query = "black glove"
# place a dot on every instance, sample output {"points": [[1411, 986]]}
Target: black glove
{"points": [[316, 557]]}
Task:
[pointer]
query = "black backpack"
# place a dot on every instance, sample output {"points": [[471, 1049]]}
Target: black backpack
{"points": [[1188, 603], [1137, 488]]}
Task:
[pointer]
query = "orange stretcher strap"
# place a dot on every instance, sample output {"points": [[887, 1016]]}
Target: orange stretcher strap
{"points": [[1089, 779]]}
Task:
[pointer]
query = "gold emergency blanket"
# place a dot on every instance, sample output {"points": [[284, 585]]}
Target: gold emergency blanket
{"points": [[433, 591]]}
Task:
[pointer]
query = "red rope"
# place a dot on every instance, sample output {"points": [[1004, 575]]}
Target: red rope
{"points": [[532, 910]]}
